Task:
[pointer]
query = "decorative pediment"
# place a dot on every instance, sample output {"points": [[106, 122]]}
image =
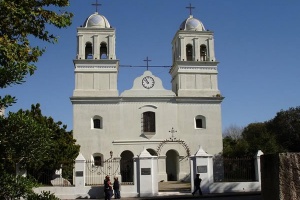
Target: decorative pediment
{"points": [[147, 85]]}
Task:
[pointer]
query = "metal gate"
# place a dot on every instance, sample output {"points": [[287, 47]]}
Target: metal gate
{"points": [[95, 173], [127, 171]]}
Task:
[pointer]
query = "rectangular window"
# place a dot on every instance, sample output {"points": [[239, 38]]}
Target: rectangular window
{"points": [[97, 123], [97, 160], [199, 123], [149, 122]]}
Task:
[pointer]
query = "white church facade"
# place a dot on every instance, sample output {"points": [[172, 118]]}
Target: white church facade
{"points": [[170, 124]]}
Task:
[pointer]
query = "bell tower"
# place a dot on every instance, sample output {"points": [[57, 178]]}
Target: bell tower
{"points": [[194, 69], [96, 66]]}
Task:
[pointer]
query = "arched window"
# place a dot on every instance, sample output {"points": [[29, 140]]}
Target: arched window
{"points": [[203, 53], [148, 122], [200, 121], [103, 50], [189, 52], [97, 157], [88, 51], [97, 122]]}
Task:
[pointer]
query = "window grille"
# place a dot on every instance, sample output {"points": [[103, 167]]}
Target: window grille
{"points": [[148, 122], [97, 123]]}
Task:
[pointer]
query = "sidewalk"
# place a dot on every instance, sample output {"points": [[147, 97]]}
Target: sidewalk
{"points": [[225, 196]]}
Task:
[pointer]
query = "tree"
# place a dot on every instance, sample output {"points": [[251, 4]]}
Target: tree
{"points": [[20, 20], [17, 187], [24, 140], [38, 144], [254, 137], [259, 137], [233, 131], [235, 147], [286, 127], [63, 149], [233, 143], [35, 141]]}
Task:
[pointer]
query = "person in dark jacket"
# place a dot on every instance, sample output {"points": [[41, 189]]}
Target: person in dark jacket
{"points": [[116, 187], [197, 182], [107, 188]]}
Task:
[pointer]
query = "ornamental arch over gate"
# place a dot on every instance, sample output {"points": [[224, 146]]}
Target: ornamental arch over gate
{"points": [[174, 140], [173, 154]]}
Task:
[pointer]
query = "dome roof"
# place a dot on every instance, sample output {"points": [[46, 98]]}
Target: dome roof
{"points": [[192, 24], [96, 21]]}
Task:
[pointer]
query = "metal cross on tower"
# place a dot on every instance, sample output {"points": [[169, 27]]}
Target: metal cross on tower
{"points": [[96, 5], [147, 60], [190, 7]]}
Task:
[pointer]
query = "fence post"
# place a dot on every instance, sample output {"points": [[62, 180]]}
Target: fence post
{"points": [[201, 163], [20, 171], [257, 165], [147, 174], [80, 176]]}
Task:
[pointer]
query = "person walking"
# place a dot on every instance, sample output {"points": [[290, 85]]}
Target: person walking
{"points": [[197, 182], [107, 188], [116, 187]]}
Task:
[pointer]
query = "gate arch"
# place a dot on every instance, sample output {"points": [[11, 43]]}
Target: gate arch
{"points": [[126, 166], [174, 140], [172, 165]]}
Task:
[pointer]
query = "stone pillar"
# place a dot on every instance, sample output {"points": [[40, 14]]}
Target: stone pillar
{"points": [[280, 176], [162, 175], [20, 171], [147, 175], [257, 166], [136, 176], [196, 49], [96, 47], [80, 176], [182, 49], [80, 47], [110, 47], [183, 164], [211, 50], [202, 163]]}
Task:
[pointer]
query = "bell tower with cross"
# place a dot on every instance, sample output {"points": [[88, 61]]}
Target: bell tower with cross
{"points": [[96, 66], [194, 69]]}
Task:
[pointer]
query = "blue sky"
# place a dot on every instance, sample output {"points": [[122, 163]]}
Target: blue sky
{"points": [[256, 42]]}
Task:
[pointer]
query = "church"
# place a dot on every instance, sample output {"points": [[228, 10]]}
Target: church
{"points": [[169, 124]]}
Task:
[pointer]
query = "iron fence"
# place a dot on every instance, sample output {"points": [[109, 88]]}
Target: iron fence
{"points": [[235, 169], [127, 171], [95, 173]]}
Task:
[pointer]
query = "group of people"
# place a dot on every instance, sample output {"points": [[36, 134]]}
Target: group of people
{"points": [[111, 189], [114, 189]]}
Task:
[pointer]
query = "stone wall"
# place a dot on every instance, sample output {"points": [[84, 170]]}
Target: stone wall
{"points": [[280, 175]]}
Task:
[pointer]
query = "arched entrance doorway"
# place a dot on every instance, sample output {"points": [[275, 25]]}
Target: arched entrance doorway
{"points": [[172, 165], [126, 166]]}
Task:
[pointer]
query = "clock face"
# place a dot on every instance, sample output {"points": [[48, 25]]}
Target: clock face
{"points": [[148, 82]]}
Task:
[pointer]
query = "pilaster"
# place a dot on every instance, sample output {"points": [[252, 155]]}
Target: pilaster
{"points": [[202, 163]]}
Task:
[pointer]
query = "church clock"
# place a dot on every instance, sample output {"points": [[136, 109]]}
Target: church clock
{"points": [[148, 82]]}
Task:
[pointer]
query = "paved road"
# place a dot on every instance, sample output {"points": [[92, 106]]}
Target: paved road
{"points": [[208, 197]]}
